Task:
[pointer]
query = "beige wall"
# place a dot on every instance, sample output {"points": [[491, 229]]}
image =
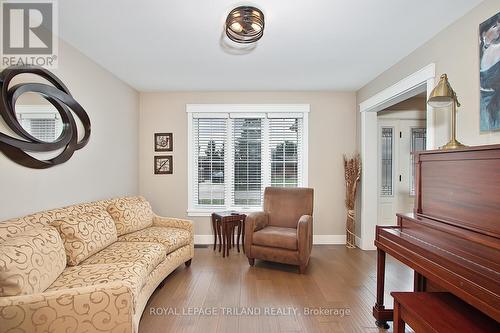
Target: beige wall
{"points": [[455, 52], [106, 167], [331, 133]]}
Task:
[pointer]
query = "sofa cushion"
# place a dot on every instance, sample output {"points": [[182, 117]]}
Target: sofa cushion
{"points": [[148, 254], [31, 262], [171, 238], [285, 238], [134, 275], [17, 226], [130, 214], [85, 234]]}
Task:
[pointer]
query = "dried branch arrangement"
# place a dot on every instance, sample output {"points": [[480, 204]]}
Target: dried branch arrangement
{"points": [[352, 174]]}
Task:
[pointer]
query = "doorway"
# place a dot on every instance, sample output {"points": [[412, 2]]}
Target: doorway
{"points": [[421, 81], [401, 131]]}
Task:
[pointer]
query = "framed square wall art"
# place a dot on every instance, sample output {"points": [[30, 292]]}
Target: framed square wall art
{"points": [[164, 165], [489, 73], [164, 142]]}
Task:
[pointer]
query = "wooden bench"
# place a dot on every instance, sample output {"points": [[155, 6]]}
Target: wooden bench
{"points": [[430, 312]]}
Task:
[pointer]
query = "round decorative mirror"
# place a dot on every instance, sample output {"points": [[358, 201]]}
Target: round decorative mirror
{"points": [[44, 118]]}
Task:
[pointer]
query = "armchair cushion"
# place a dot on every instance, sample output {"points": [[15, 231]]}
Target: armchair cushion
{"points": [[85, 234], [131, 214], [285, 206], [285, 238], [31, 262]]}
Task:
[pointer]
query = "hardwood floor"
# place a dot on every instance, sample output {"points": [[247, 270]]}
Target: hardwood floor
{"points": [[338, 279]]}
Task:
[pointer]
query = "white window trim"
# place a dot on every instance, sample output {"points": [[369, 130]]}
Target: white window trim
{"points": [[238, 110]]}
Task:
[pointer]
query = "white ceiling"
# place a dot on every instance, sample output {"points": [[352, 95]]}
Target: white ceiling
{"points": [[159, 45]]}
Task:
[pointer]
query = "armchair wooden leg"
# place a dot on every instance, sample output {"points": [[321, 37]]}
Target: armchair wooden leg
{"points": [[188, 263], [251, 261], [302, 269]]}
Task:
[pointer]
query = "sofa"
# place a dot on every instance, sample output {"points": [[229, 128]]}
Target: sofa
{"points": [[283, 231], [89, 267]]}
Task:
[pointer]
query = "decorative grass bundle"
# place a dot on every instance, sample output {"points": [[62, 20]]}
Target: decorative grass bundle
{"points": [[352, 174]]}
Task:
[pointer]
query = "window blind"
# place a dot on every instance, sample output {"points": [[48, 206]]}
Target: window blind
{"points": [[209, 138], [285, 148], [235, 155], [247, 162]]}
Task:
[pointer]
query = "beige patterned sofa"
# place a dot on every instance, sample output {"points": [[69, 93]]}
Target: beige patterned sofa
{"points": [[87, 268]]}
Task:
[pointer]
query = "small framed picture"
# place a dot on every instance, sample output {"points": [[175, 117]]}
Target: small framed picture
{"points": [[164, 165], [164, 142]]}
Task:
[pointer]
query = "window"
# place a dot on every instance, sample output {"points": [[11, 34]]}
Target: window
{"points": [[418, 138], [42, 122], [235, 151], [387, 137]]}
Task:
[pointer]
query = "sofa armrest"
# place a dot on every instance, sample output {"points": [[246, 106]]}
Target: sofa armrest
{"points": [[160, 221], [104, 308], [304, 237], [254, 222]]}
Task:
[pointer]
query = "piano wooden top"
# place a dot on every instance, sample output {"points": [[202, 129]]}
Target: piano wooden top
{"points": [[453, 236]]}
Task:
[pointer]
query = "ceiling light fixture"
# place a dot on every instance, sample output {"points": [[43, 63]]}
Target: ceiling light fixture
{"points": [[245, 24]]}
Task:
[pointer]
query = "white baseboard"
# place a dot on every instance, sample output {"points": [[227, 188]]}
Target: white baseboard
{"points": [[328, 239], [358, 241], [203, 239], [317, 239]]}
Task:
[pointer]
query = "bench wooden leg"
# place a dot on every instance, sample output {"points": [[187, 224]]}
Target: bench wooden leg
{"points": [[399, 324], [251, 261]]}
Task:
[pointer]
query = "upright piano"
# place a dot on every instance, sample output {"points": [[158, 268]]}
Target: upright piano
{"points": [[452, 238]]}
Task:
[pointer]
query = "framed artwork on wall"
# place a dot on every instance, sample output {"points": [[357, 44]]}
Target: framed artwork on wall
{"points": [[489, 73], [164, 142], [164, 165]]}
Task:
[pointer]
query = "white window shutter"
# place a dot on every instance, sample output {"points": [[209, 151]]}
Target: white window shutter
{"points": [[285, 152], [209, 138], [247, 162]]}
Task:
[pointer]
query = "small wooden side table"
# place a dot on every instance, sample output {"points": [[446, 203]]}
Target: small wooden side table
{"points": [[223, 224]]}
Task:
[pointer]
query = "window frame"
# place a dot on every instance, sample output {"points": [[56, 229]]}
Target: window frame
{"points": [[265, 111]]}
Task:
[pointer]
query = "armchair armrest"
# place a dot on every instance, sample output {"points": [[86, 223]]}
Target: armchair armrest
{"points": [[104, 308], [254, 222], [160, 221], [304, 236]]}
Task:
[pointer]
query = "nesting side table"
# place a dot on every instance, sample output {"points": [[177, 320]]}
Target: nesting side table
{"points": [[224, 224]]}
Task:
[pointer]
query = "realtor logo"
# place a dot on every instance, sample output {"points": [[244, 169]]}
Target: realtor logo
{"points": [[29, 35]]}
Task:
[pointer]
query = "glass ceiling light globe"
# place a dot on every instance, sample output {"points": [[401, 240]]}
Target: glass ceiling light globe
{"points": [[245, 25]]}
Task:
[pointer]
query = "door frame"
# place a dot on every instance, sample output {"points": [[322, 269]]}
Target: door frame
{"points": [[414, 84], [400, 161]]}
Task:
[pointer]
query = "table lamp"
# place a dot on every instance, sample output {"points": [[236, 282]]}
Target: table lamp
{"points": [[442, 96]]}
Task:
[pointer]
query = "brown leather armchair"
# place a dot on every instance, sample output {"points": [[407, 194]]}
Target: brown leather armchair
{"points": [[283, 232]]}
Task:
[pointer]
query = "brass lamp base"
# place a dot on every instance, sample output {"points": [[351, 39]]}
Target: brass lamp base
{"points": [[453, 144]]}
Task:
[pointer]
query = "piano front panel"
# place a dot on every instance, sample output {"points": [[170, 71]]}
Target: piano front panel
{"points": [[461, 188]]}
